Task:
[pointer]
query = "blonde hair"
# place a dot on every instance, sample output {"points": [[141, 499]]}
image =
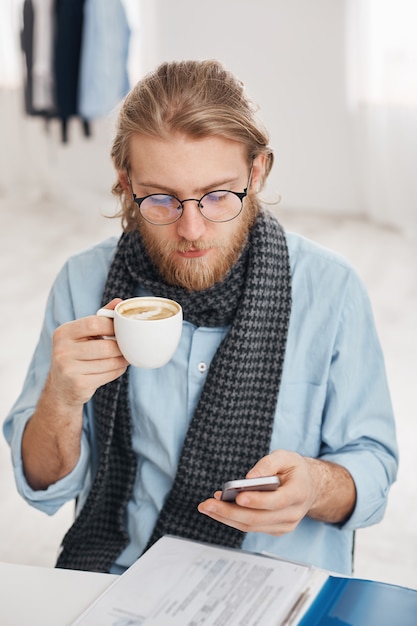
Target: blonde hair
{"points": [[195, 98]]}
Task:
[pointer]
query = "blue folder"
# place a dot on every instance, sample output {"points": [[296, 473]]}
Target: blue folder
{"points": [[357, 602]]}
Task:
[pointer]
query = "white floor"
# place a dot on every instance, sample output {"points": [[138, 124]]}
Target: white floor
{"points": [[37, 237]]}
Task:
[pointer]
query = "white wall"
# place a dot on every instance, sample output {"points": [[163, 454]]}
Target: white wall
{"points": [[294, 58], [291, 57]]}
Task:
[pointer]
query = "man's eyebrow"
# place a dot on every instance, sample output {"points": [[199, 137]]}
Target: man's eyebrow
{"points": [[220, 184]]}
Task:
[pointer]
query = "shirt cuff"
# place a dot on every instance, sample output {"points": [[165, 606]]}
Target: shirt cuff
{"points": [[369, 474], [51, 499]]}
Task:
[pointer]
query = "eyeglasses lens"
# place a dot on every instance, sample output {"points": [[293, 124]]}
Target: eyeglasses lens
{"points": [[160, 209], [220, 206]]}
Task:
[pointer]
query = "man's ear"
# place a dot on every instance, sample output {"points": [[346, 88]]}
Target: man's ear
{"points": [[258, 168], [124, 181]]}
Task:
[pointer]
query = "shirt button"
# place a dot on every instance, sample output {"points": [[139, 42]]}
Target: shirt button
{"points": [[202, 367]]}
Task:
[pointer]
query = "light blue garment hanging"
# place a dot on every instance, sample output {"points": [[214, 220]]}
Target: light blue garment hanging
{"points": [[104, 77]]}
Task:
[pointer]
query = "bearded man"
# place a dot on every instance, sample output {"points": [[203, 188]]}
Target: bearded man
{"points": [[279, 370]]}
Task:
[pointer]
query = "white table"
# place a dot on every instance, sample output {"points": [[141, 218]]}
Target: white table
{"points": [[42, 596]]}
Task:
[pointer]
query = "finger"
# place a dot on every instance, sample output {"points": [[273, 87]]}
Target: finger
{"points": [[237, 517], [84, 328], [261, 500], [247, 520], [256, 499], [98, 379], [99, 366], [249, 500], [112, 304], [94, 349]]}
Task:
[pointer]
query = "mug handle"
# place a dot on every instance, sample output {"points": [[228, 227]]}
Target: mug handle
{"points": [[106, 313]]}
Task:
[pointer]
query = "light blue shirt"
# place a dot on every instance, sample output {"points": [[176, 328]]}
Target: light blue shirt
{"points": [[333, 403]]}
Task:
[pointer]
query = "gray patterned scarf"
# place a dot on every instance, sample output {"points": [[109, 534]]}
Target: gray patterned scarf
{"points": [[232, 424]]}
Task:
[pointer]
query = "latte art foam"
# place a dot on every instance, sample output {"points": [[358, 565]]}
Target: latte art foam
{"points": [[148, 312]]}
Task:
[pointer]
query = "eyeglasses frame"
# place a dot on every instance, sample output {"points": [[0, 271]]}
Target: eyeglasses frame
{"points": [[240, 195]]}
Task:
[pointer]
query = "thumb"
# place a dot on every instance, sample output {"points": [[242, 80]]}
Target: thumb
{"points": [[274, 463]]}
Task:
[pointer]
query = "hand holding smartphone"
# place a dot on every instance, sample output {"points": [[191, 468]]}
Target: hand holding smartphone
{"points": [[263, 483]]}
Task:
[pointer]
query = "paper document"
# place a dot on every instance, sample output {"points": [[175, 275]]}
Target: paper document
{"points": [[184, 583]]}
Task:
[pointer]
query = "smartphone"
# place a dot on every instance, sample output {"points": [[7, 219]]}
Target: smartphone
{"points": [[264, 483]]}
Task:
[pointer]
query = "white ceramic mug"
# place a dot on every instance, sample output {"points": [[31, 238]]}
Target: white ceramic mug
{"points": [[147, 329]]}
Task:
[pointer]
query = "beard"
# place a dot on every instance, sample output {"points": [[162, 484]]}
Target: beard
{"points": [[200, 273]]}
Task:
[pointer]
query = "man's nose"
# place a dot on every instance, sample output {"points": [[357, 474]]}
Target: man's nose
{"points": [[191, 225]]}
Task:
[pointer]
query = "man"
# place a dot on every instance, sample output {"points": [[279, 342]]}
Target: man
{"points": [[279, 370]]}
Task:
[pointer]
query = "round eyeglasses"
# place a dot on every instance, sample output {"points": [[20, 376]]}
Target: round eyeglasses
{"points": [[220, 205]]}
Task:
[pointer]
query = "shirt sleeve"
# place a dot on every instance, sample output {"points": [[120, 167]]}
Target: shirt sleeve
{"points": [[358, 430], [59, 309]]}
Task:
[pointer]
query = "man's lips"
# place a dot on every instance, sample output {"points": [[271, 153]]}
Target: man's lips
{"points": [[194, 253]]}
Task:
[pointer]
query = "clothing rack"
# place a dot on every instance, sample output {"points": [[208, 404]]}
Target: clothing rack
{"points": [[76, 54]]}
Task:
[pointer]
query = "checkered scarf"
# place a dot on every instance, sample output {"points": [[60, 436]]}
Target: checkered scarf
{"points": [[232, 425]]}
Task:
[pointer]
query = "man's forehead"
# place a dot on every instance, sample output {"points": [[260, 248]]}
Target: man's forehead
{"points": [[141, 144], [194, 162]]}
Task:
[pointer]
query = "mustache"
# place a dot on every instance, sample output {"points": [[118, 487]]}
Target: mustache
{"points": [[186, 246]]}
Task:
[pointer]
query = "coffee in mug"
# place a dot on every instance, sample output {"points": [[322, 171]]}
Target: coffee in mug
{"points": [[150, 311]]}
